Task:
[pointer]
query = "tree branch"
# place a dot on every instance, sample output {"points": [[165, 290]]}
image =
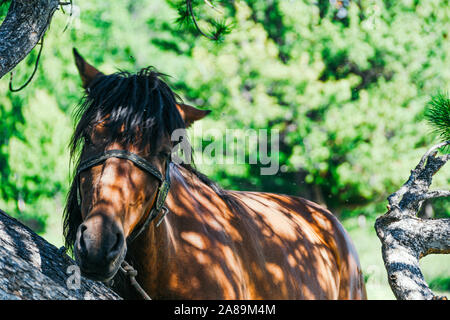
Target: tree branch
{"points": [[435, 194], [32, 268], [406, 238], [23, 27]]}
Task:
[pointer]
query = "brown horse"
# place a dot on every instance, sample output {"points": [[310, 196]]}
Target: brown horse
{"points": [[210, 243]]}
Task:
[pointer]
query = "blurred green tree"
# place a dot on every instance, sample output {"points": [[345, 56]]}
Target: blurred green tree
{"points": [[345, 83]]}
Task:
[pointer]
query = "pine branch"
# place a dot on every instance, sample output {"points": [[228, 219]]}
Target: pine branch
{"points": [[438, 115], [187, 19]]}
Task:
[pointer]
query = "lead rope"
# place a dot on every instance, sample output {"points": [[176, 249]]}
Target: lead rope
{"points": [[126, 269], [131, 272]]}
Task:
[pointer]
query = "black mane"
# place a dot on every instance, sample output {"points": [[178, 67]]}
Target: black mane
{"points": [[138, 108]]}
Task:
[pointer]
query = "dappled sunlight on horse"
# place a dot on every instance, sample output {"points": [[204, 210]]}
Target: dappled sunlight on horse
{"points": [[213, 243]]}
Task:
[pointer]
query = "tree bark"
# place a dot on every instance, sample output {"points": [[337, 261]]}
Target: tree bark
{"points": [[406, 238], [23, 27], [32, 268]]}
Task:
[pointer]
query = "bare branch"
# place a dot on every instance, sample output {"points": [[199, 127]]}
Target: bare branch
{"points": [[406, 238], [435, 194], [23, 27], [435, 236], [430, 151], [409, 197]]}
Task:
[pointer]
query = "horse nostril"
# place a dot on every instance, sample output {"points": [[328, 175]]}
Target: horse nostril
{"points": [[81, 241], [117, 247], [83, 228], [100, 241]]}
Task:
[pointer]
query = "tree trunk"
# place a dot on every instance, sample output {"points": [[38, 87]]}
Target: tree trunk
{"points": [[32, 268], [406, 238], [23, 27]]}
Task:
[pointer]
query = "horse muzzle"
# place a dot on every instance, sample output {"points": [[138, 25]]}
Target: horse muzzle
{"points": [[100, 248]]}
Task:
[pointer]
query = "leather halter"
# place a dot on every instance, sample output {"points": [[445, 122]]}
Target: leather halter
{"points": [[162, 191]]}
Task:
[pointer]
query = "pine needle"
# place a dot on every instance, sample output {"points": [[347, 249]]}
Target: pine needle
{"points": [[438, 115]]}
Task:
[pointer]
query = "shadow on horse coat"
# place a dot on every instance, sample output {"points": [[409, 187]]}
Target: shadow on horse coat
{"points": [[213, 243]]}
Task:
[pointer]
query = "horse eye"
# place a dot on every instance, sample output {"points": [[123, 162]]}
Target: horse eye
{"points": [[87, 140], [165, 154]]}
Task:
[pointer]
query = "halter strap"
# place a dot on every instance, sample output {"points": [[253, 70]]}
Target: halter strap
{"points": [[122, 154], [162, 191], [158, 205]]}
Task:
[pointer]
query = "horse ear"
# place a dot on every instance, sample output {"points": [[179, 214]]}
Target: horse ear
{"points": [[191, 114], [87, 71]]}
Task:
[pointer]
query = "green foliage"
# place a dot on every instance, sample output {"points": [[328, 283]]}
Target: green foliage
{"points": [[4, 5], [348, 98], [440, 284], [438, 115], [35, 159], [347, 93], [217, 25], [440, 207]]}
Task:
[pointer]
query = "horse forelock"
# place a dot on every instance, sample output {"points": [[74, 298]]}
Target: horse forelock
{"points": [[137, 108]]}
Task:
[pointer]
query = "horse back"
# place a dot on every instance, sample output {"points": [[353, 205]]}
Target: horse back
{"points": [[252, 245], [295, 249]]}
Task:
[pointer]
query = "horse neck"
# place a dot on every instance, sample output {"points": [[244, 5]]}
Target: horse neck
{"points": [[154, 252]]}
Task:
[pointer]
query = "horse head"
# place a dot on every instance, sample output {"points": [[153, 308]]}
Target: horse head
{"points": [[123, 146]]}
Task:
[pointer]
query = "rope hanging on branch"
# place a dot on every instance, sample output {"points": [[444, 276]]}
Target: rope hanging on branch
{"points": [[41, 43]]}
